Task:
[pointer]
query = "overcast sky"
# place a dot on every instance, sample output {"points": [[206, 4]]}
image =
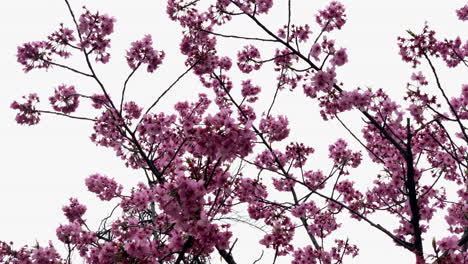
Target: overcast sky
{"points": [[44, 165]]}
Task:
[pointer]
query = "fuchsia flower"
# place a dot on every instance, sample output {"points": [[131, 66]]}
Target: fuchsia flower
{"points": [[419, 77], [249, 91], [27, 111], [99, 100], [339, 58], [247, 59], [104, 187], [333, 16], [462, 13], [263, 6], [276, 129], [35, 55], [65, 99], [315, 51], [340, 153], [321, 81], [142, 52], [132, 110], [94, 30], [61, 39], [74, 211]]}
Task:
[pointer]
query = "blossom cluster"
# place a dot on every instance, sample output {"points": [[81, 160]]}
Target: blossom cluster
{"points": [[142, 52], [94, 31], [65, 99], [27, 110], [332, 17]]}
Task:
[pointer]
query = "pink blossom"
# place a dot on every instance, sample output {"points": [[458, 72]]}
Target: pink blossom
{"points": [[99, 100], [249, 91], [247, 59], [321, 81], [65, 99], [35, 55], [61, 40], [462, 13], [74, 211], [95, 29], [315, 51], [104, 187], [419, 77], [132, 110], [342, 155], [27, 111], [276, 129], [332, 16], [339, 58], [142, 52], [263, 6]]}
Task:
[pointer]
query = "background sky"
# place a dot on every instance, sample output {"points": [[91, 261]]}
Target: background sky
{"points": [[44, 165]]}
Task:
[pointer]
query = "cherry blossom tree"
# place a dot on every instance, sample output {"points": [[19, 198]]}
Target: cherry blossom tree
{"points": [[207, 159]]}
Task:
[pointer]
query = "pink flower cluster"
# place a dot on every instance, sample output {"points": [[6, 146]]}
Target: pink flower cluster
{"points": [[104, 187], [65, 99], [139, 199], [259, 6], [72, 233], [142, 52], [263, 6], [299, 33], [462, 13], [308, 255], [315, 180], [132, 111], [281, 235], [453, 52], [38, 54], [459, 104], [284, 58], [305, 210], [247, 59], [200, 50], [94, 30], [99, 100], [267, 160], [191, 114], [339, 57], [342, 156], [333, 16], [35, 55], [322, 81], [107, 130], [223, 138], [74, 211], [275, 129], [61, 39], [298, 152], [249, 190], [182, 200], [249, 91], [450, 244], [352, 197], [324, 223], [27, 111], [420, 78], [36, 255], [456, 214]]}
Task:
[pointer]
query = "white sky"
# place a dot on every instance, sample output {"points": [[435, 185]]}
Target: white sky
{"points": [[44, 165]]}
